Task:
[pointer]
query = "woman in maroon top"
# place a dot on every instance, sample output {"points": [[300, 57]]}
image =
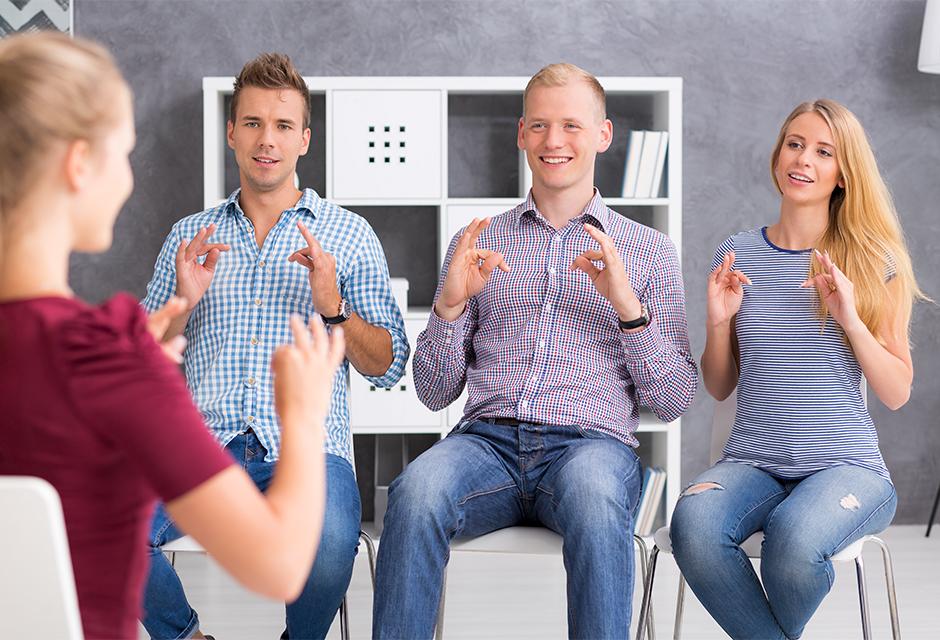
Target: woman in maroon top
{"points": [[89, 399]]}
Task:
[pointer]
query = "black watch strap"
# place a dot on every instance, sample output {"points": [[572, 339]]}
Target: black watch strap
{"points": [[344, 313], [642, 321]]}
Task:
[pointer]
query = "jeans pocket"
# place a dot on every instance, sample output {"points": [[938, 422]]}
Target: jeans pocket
{"points": [[461, 427], [593, 434]]}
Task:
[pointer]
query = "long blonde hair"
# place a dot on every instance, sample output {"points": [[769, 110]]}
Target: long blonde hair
{"points": [[864, 234], [53, 89]]}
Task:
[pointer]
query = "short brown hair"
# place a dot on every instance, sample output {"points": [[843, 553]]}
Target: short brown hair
{"points": [[561, 73], [271, 71]]}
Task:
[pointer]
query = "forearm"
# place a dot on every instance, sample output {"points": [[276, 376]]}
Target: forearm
{"points": [[889, 376], [440, 362], [719, 370], [368, 347], [663, 371], [177, 325]]}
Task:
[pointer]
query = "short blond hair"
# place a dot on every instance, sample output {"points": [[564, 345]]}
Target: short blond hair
{"points": [[271, 71], [53, 89], [560, 74]]}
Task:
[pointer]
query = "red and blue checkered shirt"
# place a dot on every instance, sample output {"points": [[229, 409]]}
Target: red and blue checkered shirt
{"points": [[539, 344]]}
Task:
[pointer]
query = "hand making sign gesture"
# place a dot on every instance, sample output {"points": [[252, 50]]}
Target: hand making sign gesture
{"points": [[611, 281], [725, 291], [835, 290], [470, 269], [192, 276], [322, 273]]}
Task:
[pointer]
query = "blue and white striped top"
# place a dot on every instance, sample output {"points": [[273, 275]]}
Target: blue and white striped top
{"points": [[244, 316], [800, 408]]}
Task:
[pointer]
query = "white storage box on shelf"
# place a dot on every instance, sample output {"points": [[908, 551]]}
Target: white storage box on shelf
{"points": [[391, 144]]}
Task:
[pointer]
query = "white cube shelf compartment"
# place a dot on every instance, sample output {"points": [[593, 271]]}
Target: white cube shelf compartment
{"points": [[396, 410], [387, 144]]}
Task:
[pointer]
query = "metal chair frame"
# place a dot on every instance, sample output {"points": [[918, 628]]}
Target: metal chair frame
{"points": [[187, 544]]}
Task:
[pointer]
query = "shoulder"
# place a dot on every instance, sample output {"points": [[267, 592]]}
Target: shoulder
{"points": [[338, 225], [95, 332]]}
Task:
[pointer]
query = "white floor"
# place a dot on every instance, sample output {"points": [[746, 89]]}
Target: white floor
{"points": [[524, 597]]}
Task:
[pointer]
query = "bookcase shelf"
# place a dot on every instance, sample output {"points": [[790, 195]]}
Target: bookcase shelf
{"points": [[452, 157]]}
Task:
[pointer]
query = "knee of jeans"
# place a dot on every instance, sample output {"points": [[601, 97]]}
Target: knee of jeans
{"points": [[414, 497], [696, 527]]}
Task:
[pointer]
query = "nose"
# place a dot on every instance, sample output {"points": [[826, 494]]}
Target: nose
{"points": [[266, 138], [554, 138]]}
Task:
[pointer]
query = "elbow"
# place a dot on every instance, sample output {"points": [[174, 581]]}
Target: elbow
{"points": [[283, 577], [717, 392], [896, 403]]}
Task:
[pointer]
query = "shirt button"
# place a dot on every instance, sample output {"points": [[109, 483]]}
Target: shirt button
{"points": [[541, 344], [548, 306], [535, 379], [258, 302], [450, 332], [250, 381], [524, 404], [261, 263], [551, 270], [557, 238], [254, 341], [250, 418]]}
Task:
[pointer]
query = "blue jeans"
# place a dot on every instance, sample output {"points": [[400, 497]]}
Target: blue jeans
{"points": [[579, 483], [167, 613], [805, 522]]}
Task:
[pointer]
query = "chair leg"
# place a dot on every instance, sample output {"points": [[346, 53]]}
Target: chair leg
{"points": [[644, 571], [439, 628], [933, 512], [370, 550], [343, 620], [863, 597], [680, 605], [173, 559], [889, 581], [643, 621]]}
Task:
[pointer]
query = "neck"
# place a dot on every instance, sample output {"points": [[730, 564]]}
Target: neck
{"points": [[265, 207], [800, 226], [559, 206], [34, 258]]}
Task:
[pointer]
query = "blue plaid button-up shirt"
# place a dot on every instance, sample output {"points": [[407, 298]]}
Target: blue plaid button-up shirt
{"points": [[540, 344], [234, 330]]}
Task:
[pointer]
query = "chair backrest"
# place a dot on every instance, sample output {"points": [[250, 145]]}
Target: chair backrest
{"points": [[723, 420], [37, 588]]}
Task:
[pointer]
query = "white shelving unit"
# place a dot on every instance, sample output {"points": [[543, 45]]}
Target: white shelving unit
{"points": [[386, 144]]}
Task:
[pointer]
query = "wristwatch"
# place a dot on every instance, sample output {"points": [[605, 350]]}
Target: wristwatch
{"points": [[642, 321], [344, 313]]}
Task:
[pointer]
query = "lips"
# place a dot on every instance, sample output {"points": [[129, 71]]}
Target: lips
{"points": [[265, 161], [799, 178], [555, 161]]}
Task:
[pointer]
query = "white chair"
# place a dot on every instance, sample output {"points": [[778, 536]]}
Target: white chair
{"points": [[186, 544], [520, 540], [722, 422], [37, 587]]}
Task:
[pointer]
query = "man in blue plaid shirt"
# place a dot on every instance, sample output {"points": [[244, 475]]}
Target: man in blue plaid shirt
{"points": [[243, 268], [560, 317]]}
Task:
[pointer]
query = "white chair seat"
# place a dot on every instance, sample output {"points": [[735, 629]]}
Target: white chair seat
{"points": [[525, 540], [184, 544], [752, 546]]}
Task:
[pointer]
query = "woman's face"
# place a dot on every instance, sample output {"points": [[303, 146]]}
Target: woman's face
{"points": [[110, 181], [807, 170]]}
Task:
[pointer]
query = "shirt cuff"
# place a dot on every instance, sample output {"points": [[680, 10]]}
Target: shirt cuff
{"points": [[645, 344], [446, 333]]}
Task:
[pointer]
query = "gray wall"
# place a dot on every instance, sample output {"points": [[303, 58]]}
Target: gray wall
{"points": [[745, 65]]}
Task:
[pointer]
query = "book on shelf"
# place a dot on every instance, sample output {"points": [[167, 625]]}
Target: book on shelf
{"points": [[651, 498], [646, 158]]}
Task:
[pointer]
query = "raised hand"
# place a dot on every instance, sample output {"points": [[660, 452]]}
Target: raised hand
{"points": [[321, 268], [725, 291], [304, 370], [470, 269], [192, 276], [611, 281], [835, 290], [159, 321]]}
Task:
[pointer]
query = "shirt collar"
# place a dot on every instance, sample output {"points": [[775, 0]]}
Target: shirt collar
{"points": [[595, 209], [308, 204]]}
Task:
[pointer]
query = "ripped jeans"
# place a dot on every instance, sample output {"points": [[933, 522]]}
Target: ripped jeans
{"points": [[805, 522]]}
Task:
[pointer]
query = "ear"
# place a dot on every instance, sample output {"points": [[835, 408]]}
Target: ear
{"points": [[607, 136], [520, 136], [230, 134], [77, 164], [841, 182], [306, 144]]}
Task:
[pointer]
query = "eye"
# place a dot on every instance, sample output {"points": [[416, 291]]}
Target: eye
{"points": [[284, 127], [793, 144], [572, 125], [251, 125], [825, 152], [538, 126]]}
